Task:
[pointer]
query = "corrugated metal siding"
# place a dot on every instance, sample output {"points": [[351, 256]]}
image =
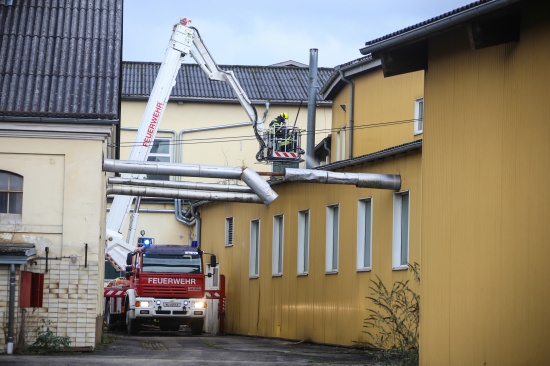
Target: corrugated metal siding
{"points": [[326, 308], [61, 58], [384, 111], [485, 211], [260, 82]]}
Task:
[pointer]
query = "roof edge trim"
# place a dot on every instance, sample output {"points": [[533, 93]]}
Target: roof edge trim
{"points": [[438, 26], [392, 151]]}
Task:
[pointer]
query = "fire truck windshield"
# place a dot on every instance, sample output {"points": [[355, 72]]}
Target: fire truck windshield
{"points": [[172, 263]]}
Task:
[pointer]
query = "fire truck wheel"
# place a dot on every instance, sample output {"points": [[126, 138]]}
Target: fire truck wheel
{"points": [[196, 326], [132, 325], [110, 320]]}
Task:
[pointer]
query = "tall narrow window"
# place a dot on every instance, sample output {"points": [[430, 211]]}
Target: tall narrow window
{"points": [[11, 197], [332, 235], [303, 242], [341, 144], [364, 234], [277, 245], [418, 116], [228, 231], [254, 268], [160, 152], [401, 230]]}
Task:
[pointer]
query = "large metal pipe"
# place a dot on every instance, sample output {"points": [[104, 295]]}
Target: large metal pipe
{"points": [[181, 185], [259, 186], [250, 177], [161, 168], [311, 109], [361, 180], [184, 193]]}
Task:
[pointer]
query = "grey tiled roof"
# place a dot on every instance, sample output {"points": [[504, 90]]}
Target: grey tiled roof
{"points": [[261, 83], [61, 59], [426, 22]]}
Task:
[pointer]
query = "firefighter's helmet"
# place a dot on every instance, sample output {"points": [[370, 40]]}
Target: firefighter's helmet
{"points": [[284, 115]]}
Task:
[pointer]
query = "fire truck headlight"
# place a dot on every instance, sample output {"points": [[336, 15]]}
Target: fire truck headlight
{"points": [[200, 305], [142, 304]]}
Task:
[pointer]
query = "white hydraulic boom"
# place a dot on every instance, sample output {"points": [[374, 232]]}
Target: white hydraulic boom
{"points": [[183, 38]]}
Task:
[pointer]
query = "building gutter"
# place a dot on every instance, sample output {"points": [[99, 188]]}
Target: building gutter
{"points": [[415, 145], [435, 27], [182, 100], [34, 119]]}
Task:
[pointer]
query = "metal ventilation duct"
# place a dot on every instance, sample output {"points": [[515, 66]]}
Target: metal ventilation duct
{"points": [[258, 185], [361, 180]]}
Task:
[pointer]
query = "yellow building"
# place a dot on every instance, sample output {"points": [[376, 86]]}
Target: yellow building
{"points": [[301, 267], [485, 173]]}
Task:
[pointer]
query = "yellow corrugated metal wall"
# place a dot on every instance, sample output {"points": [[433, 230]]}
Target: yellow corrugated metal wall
{"points": [[486, 203], [327, 308], [384, 111]]}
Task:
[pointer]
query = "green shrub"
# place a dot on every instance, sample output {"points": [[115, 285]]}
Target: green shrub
{"points": [[393, 321], [47, 342]]}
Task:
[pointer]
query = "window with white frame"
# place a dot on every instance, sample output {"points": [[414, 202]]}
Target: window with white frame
{"points": [[228, 231], [401, 223], [254, 268], [277, 246], [160, 152], [341, 144], [364, 234], [418, 116], [11, 197], [332, 238], [303, 242]]}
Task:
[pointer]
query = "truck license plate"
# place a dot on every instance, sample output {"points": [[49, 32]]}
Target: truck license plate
{"points": [[171, 304]]}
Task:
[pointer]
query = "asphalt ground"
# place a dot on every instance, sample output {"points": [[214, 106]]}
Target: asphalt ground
{"points": [[180, 348]]}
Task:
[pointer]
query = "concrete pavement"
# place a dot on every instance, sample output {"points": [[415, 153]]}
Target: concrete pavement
{"points": [[179, 348]]}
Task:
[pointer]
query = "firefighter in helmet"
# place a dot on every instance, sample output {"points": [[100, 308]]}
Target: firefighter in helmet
{"points": [[278, 122]]}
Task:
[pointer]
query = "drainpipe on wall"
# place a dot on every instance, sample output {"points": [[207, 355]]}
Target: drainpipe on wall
{"points": [[326, 149], [311, 109], [11, 309], [351, 112], [197, 217]]}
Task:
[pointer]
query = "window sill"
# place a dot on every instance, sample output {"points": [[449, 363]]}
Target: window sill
{"points": [[331, 272], [364, 269], [400, 268]]}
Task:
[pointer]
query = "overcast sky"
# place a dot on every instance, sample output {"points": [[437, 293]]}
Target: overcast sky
{"points": [[260, 32]]}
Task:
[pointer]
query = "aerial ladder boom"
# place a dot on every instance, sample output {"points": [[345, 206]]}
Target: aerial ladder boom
{"points": [[179, 46], [183, 37], [281, 145]]}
